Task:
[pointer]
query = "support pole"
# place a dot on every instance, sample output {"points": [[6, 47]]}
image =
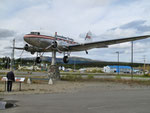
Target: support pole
{"points": [[19, 86], [118, 62], [53, 69], [144, 65], [53, 58], [12, 56], [132, 59], [5, 85], [74, 65]]}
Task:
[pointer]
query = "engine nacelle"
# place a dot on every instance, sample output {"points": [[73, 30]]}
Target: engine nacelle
{"points": [[30, 49], [26, 47], [54, 44]]}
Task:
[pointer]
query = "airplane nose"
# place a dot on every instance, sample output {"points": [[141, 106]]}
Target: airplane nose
{"points": [[27, 39]]}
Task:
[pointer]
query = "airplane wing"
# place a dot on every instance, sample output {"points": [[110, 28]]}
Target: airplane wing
{"points": [[102, 44], [20, 48]]}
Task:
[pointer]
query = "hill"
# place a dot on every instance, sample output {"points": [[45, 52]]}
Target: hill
{"points": [[82, 62]]}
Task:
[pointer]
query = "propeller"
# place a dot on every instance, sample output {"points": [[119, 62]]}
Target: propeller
{"points": [[55, 46]]}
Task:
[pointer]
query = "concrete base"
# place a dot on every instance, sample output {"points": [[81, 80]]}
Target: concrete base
{"points": [[29, 81], [2, 105], [54, 72], [50, 81]]}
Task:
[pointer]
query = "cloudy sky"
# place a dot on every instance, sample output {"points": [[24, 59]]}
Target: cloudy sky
{"points": [[106, 19]]}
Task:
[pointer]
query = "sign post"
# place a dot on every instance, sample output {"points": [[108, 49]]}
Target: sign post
{"points": [[5, 80], [17, 79], [20, 80]]}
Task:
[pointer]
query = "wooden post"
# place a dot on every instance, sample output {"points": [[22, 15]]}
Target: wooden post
{"points": [[19, 86], [5, 85]]}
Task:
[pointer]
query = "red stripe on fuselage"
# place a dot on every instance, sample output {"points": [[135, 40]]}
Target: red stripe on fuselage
{"points": [[48, 37], [39, 36]]}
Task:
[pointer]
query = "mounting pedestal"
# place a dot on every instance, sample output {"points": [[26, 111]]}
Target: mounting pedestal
{"points": [[53, 68]]}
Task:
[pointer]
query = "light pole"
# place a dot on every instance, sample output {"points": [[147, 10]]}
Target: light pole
{"points": [[118, 61], [144, 65], [74, 64], [132, 59], [12, 56]]}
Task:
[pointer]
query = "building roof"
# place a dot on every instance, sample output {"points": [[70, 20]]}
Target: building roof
{"points": [[120, 67]]}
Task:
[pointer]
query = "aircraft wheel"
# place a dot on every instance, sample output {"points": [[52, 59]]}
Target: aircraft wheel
{"points": [[66, 59], [38, 60]]}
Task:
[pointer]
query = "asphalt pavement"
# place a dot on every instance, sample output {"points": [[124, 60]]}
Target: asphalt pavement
{"points": [[91, 99]]}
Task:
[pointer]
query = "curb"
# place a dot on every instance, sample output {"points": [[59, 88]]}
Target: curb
{"points": [[5, 105]]}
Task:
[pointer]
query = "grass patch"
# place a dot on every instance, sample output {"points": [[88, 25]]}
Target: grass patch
{"points": [[37, 79], [115, 80], [118, 77], [72, 77], [3, 73], [95, 71], [90, 77]]}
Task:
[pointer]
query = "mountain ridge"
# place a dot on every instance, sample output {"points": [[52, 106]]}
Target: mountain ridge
{"points": [[72, 60]]}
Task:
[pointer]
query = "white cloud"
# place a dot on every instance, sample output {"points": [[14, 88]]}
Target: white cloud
{"points": [[72, 17]]}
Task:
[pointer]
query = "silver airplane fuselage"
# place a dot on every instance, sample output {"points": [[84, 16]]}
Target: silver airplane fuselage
{"points": [[43, 41]]}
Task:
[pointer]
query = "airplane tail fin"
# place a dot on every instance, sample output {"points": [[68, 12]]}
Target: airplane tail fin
{"points": [[88, 37]]}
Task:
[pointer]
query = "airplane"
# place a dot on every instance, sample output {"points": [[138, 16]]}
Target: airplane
{"points": [[36, 42]]}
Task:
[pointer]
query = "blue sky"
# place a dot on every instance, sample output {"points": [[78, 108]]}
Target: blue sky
{"points": [[106, 19]]}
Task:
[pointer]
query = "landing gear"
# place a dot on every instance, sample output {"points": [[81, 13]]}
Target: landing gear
{"points": [[86, 52], [66, 59], [38, 60]]}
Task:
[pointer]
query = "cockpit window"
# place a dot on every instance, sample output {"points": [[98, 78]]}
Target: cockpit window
{"points": [[35, 33]]}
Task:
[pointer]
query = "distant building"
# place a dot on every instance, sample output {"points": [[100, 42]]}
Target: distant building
{"points": [[116, 69], [28, 68], [91, 69], [62, 68], [82, 70], [68, 70]]}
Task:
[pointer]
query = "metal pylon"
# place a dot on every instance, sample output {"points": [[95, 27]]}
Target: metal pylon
{"points": [[53, 58]]}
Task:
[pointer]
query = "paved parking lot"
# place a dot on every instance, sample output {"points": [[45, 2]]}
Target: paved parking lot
{"points": [[91, 98]]}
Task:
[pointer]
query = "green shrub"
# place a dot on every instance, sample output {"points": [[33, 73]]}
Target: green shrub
{"points": [[72, 77], [146, 75], [90, 77], [118, 77], [96, 71]]}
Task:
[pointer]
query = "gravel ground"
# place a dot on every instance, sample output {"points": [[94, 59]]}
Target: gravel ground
{"points": [[57, 87], [66, 86]]}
